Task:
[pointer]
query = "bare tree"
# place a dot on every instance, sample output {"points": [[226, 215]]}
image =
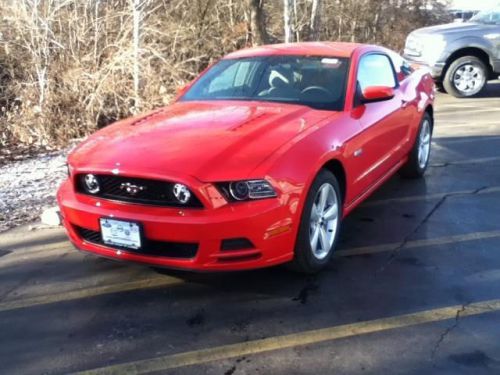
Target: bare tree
{"points": [[68, 67], [315, 24], [136, 13], [287, 10], [257, 27]]}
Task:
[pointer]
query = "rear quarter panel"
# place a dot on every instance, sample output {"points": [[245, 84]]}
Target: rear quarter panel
{"points": [[419, 90]]}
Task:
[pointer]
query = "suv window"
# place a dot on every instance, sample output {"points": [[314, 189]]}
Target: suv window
{"points": [[375, 70]]}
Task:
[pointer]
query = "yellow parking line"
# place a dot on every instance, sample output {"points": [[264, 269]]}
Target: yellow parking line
{"points": [[452, 112], [445, 141], [223, 352], [168, 281], [87, 292], [418, 243], [46, 251], [427, 197], [457, 128], [64, 247], [466, 161]]}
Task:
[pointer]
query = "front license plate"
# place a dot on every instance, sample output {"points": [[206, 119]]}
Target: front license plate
{"points": [[121, 233]]}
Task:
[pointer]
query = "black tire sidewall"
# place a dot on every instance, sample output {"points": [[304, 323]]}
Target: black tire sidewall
{"points": [[304, 259], [448, 82]]}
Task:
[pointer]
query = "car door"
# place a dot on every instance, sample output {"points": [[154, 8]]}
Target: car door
{"points": [[495, 40], [384, 124]]}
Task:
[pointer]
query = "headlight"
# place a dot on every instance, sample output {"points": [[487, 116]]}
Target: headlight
{"points": [[91, 184], [413, 47], [432, 47], [239, 190], [247, 190]]}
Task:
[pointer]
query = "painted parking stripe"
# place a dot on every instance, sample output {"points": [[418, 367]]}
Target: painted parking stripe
{"points": [[88, 292], [455, 125], [63, 247], [224, 352], [433, 196], [466, 161], [44, 251], [445, 141], [169, 281], [362, 250]]}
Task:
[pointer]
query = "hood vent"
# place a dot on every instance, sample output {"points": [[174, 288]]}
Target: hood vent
{"points": [[147, 117]]}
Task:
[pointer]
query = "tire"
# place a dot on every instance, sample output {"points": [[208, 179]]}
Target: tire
{"points": [[440, 87], [419, 156], [466, 77], [321, 230]]}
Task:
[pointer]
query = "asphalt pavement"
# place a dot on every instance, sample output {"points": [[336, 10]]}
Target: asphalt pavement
{"points": [[414, 287]]}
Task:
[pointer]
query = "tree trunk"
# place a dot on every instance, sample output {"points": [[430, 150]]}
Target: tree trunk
{"points": [[136, 19], [287, 10], [315, 23], [257, 24], [296, 21]]}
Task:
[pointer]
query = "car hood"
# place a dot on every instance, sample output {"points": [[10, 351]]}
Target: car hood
{"points": [[453, 28], [211, 141]]}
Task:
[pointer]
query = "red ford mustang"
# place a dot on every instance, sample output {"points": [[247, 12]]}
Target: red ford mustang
{"points": [[255, 163]]}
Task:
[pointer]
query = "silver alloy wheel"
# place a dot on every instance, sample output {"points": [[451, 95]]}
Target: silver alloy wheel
{"points": [[469, 79], [323, 221], [424, 144]]}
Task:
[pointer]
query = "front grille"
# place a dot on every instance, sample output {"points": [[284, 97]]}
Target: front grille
{"points": [[150, 247], [150, 192]]}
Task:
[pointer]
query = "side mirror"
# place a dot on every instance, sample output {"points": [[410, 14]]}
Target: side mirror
{"points": [[181, 89], [373, 94]]}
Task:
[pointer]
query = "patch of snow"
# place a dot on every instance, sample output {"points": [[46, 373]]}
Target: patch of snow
{"points": [[29, 186]]}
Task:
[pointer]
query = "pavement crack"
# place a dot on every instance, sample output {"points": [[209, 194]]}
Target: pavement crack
{"points": [[447, 331], [408, 237], [480, 190], [395, 252]]}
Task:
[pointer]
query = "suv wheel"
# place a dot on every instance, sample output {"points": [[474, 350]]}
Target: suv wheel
{"points": [[465, 77]]}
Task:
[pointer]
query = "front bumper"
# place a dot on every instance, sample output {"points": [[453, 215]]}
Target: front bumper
{"points": [[436, 69], [269, 225]]}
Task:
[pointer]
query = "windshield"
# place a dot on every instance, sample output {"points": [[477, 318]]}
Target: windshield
{"points": [[318, 82], [490, 17]]}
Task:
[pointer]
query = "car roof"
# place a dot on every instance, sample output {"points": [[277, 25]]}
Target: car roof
{"points": [[333, 49]]}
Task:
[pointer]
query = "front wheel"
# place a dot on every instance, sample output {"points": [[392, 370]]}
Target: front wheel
{"points": [[418, 159], [465, 77], [319, 225]]}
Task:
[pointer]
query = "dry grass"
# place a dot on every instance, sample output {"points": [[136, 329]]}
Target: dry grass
{"points": [[68, 67]]}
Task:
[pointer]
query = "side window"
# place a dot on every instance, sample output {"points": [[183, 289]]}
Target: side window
{"points": [[375, 70], [234, 76]]}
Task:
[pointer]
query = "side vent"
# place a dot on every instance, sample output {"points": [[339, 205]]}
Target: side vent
{"points": [[236, 244]]}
